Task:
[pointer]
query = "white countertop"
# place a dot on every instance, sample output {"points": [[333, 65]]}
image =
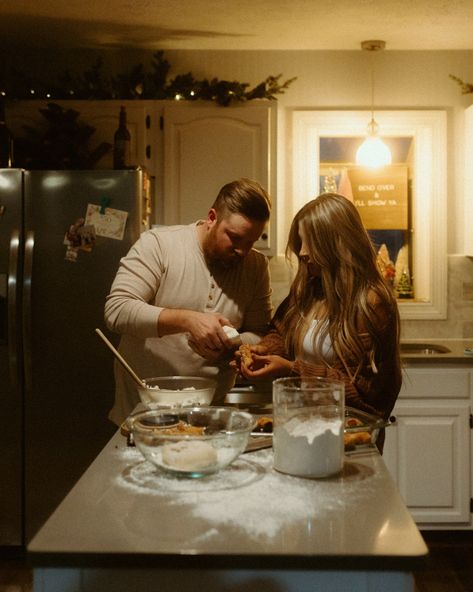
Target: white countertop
{"points": [[122, 512]]}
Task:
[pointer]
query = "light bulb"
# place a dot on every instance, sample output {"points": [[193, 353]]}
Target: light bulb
{"points": [[373, 153]]}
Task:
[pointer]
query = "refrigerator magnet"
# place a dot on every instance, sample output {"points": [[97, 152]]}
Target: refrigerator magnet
{"points": [[71, 254], [80, 236], [72, 237], [87, 237], [110, 224]]}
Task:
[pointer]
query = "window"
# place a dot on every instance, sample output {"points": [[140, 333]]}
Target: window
{"points": [[416, 236]]}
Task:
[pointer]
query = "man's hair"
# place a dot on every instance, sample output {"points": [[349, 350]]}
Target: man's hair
{"points": [[245, 197]]}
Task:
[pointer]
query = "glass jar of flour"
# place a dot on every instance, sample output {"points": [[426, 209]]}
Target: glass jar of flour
{"points": [[308, 416]]}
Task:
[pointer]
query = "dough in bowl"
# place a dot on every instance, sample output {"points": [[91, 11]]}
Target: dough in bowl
{"points": [[189, 455]]}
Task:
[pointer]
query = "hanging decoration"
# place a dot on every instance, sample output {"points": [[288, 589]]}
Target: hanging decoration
{"points": [[466, 87], [139, 84], [373, 152]]}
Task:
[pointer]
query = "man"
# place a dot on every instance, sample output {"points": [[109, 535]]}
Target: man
{"points": [[180, 285]]}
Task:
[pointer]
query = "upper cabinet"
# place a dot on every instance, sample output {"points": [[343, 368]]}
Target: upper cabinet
{"points": [[190, 149], [205, 147]]}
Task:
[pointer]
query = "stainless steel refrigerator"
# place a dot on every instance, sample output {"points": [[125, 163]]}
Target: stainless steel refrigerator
{"points": [[56, 376]]}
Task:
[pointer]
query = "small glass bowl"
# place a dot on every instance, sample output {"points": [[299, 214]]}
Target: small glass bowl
{"points": [[191, 441], [177, 391]]}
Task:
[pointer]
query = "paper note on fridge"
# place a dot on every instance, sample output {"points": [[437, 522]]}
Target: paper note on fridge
{"points": [[111, 223]]}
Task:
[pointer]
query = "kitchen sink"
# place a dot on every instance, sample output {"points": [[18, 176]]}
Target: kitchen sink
{"points": [[424, 348]]}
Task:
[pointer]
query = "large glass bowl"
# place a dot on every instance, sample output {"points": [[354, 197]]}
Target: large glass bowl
{"points": [[177, 391], [191, 441]]}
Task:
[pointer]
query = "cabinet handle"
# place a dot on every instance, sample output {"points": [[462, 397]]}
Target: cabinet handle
{"points": [[148, 151], [392, 419]]}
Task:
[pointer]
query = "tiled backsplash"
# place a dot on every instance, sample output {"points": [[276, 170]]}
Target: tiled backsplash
{"points": [[459, 321]]}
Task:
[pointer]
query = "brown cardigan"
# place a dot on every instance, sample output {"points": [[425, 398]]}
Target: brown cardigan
{"points": [[370, 391]]}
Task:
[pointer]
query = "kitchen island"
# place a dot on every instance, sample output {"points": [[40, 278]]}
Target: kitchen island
{"points": [[124, 527]]}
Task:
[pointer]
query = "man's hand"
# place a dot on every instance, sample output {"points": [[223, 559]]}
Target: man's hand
{"points": [[212, 354], [205, 331], [205, 328]]}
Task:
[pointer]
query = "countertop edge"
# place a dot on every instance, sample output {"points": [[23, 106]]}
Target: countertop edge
{"points": [[225, 561]]}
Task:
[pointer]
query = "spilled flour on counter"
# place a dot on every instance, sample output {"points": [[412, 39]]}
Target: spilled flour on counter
{"points": [[248, 495]]}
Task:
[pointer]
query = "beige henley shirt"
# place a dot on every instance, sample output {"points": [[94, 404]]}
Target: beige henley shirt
{"points": [[166, 268]]}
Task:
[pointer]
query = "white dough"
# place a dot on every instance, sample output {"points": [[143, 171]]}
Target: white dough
{"points": [[189, 455]]}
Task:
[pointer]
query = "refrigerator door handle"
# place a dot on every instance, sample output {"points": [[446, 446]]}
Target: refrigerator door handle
{"points": [[13, 266], [27, 320]]}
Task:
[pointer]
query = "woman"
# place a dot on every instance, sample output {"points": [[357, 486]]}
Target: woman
{"points": [[340, 319]]}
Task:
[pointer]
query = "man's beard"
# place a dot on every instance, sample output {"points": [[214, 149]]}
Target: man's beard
{"points": [[218, 259], [222, 262]]}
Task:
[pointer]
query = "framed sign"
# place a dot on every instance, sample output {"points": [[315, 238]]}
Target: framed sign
{"points": [[381, 196]]}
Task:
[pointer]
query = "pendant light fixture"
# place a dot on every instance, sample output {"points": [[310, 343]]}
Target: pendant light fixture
{"points": [[373, 152]]}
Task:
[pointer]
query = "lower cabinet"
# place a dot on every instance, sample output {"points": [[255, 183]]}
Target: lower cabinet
{"points": [[428, 446]]}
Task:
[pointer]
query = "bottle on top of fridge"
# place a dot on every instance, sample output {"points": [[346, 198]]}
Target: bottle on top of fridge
{"points": [[121, 143]]}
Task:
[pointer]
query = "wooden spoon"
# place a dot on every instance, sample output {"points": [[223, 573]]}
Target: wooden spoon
{"points": [[123, 362]]}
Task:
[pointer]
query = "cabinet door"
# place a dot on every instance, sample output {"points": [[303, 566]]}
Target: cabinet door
{"points": [[443, 381], [208, 146], [427, 454]]}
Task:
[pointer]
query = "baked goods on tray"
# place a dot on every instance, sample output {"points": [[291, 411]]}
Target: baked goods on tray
{"points": [[264, 425], [361, 429]]}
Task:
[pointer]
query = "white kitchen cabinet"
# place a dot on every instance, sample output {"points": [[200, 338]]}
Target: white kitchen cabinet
{"points": [[427, 449], [190, 149], [206, 146]]}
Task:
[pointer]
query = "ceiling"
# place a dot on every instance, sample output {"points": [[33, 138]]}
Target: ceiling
{"points": [[237, 24]]}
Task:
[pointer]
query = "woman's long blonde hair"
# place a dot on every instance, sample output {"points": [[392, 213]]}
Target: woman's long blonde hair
{"points": [[350, 288]]}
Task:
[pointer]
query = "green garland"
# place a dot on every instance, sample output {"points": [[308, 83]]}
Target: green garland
{"points": [[466, 87], [139, 84]]}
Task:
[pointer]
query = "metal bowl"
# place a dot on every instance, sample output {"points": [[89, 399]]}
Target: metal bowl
{"points": [[177, 391]]}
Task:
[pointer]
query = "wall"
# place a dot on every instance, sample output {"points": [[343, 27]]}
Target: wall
{"points": [[339, 80]]}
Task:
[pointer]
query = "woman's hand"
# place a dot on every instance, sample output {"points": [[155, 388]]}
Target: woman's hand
{"points": [[267, 366], [237, 361]]}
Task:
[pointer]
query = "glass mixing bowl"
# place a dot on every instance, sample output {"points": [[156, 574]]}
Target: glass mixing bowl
{"points": [[191, 441]]}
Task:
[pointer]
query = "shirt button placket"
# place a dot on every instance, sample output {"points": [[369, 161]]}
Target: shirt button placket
{"points": [[211, 296]]}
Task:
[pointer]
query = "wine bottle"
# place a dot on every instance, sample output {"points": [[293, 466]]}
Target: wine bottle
{"points": [[121, 143], [6, 141]]}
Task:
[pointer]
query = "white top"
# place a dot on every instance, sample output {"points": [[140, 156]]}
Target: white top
{"points": [[166, 268], [323, 350]]}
